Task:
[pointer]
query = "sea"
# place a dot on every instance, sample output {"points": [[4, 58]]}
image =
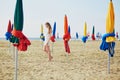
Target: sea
{"points": [[58, 39]]}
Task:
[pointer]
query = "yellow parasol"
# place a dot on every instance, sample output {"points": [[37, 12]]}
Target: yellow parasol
{"points": [[42, 37], [85, 29], [85, 37], [41, 28], [110, 20], [108, 39]]}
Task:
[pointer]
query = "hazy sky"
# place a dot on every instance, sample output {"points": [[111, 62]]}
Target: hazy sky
{"points": [[37, 12]]}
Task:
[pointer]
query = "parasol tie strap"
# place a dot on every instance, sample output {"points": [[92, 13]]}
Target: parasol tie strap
{"points": [[93, 37], [42, 37], [108, 45], [66, 37], [23, 42], [8, 35], [52, 38], [67, 48], [84, 38]]}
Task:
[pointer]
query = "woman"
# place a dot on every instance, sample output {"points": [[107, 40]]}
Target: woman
{"points": [[47, 40]]}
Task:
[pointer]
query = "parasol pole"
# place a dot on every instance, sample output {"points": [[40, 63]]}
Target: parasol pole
{"points": [[16, 63], [9, 45], [108, 63], [42, 44], [110, 51], [84, 45]]}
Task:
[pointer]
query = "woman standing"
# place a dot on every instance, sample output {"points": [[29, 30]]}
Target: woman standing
{"points": [[47, 40]]}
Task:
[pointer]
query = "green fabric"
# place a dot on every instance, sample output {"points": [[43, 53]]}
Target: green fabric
{"points": [[18, 21], [93, 31], [14, 39], [18, 16]]}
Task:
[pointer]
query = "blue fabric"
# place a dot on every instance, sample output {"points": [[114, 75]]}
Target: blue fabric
{"points": [[42, 37], [8, 35], [108, 46], [54, 29], [84, 38], [69, 29], [77, 35]]}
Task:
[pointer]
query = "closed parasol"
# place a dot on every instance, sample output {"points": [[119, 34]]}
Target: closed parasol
{"points": [[77, 36], [66, 36], [9, 30], [53, 33], [42, 37], [93, 33], [85, 37], [18, 38], [108, 39]]}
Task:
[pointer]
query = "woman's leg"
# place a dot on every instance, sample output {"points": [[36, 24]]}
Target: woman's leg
{"points": [[45, 48], [49, 53]]}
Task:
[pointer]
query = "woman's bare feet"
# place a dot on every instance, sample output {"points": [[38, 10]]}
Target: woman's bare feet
{"points": [[50, 58]]}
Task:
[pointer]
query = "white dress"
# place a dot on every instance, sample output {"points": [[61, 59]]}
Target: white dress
{"points": [[47, 38]]}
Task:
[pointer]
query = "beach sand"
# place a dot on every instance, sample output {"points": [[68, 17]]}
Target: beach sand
{"points": [[86, 62]]}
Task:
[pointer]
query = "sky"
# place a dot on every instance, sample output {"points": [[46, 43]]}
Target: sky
{"points": [[37, 12]]}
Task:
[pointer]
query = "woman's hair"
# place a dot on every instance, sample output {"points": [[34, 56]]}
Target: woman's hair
{"points": [[49, 27]]}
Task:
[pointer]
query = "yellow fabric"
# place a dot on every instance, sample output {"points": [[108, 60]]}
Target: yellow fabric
{"points": [[41, 28], [110, 22], [41, 37], [85, 29], [110, 39]]}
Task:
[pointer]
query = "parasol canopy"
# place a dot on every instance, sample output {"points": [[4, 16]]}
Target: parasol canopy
{"points": [[77, 36], [108, 39], [66, 36], [42, 37], [9, 30], [53, 33], [69, 32], [110, 21], [93, 33], [85, 37], [18, 38]]}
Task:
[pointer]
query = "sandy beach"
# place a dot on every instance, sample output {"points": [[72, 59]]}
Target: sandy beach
{"points": [[86, 62]]}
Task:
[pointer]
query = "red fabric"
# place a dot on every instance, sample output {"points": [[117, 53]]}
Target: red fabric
{"points": [[23, 41], [66, 37], [67, 49], [69, 37], [9, 27], [52, 38], [88, 34], [93, 37]]}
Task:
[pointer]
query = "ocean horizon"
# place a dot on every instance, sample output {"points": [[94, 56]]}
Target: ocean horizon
{"points": [[40, 39], [58, 39]]}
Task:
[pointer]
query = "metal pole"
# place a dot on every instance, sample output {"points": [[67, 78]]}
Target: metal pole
{"points": [[42, 44], [13, 50], [108, 63], [16, 62], [84, 45], [9, 45], [110, 53]]}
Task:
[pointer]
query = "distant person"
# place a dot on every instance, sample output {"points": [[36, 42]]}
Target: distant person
{"points": [[47, 40]]}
